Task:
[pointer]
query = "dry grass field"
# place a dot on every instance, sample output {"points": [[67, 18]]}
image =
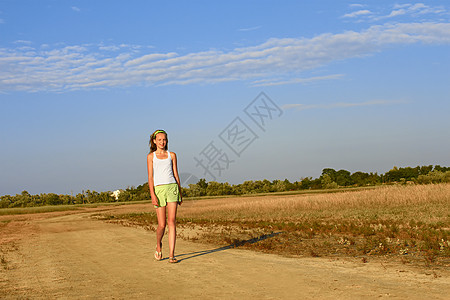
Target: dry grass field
{"points": [[410, 223]]}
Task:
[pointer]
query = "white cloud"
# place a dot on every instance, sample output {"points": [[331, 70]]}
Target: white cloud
{"points": [[415, 10], [2, 21], [397, 6], [407, 10], [418, 6], [274, 62], [250, 28], [339, 105], [74, 8], [109, 48], [272, 82], [23, 42], [357, 13], [395, 13]]}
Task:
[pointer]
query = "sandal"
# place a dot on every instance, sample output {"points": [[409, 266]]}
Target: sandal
{"points": [[173, 260], [158, 255]]}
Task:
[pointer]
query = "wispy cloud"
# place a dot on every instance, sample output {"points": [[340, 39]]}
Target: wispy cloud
{"points": [[23, 42], [74, 8], [339, 105], [357, 13], [407, 10], [356, 5], [275, 81], [250, 28], [274, 62]]}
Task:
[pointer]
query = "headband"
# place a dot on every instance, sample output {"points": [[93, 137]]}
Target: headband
{"points": [[159, 131]]}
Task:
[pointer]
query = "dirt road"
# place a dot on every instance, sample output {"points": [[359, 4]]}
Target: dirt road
{"points": [[71, 255]]}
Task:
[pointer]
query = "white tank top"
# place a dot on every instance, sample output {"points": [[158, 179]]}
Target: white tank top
{"points": [[162, 170]]}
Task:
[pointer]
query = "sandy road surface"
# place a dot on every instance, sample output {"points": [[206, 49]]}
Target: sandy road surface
{"points": [[71, 255]]}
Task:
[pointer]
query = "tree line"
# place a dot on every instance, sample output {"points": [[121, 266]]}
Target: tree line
{"points": [[329, 179]]}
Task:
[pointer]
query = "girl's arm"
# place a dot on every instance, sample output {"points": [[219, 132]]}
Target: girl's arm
{"points": [[151, 185], [175, 173]]}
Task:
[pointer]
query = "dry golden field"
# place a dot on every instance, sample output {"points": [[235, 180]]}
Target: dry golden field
{"points": [[406, 222]]}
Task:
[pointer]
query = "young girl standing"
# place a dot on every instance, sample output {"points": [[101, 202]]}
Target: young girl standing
{"points": [[165, 190]]}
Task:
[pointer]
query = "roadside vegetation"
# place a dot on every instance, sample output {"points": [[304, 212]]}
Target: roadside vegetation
{"points": [[406, 222]]}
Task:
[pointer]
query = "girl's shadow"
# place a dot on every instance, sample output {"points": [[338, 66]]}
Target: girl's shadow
{"points": [[234, 245]]}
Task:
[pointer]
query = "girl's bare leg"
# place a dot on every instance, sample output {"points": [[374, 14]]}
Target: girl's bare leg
{"points": [[161, 214], [171, 220]]}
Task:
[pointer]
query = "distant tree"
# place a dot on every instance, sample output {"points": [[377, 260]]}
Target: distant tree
{"points": [[316, 183], [373, 179], [67, 199], [126, 196], [327, 182], [226, 188], [360, 178], [279, 186], [288, 185], [247, 187], [91, 196], [424, 170], [202, 186], [105, 197], [21, 200], [258, 186], [392, 175], [343, 178], [402, 174], [330, 172], [213, 189], [266, 186], [192, 191], [442, 169], [6, 201], [80, 198], [305, 183], [143, 192], [216, 188], [185, 192], [51, 199], [434, 177], [202, 183]]}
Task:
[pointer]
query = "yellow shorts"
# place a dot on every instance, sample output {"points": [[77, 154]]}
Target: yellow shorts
{"points": [[167, 193]]}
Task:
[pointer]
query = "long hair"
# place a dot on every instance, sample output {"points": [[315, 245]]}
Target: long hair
{"points": [[152, 140]]}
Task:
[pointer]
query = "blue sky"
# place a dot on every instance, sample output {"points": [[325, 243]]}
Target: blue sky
{"points": [[355, 85]]}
